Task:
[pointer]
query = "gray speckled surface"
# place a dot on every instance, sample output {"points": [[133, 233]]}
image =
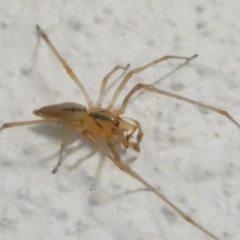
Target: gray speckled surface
{"points": [[190, 154]]}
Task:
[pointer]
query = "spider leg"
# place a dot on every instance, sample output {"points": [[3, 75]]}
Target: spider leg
{"points": [[117, 160], [62, 148], [27, 123], [138, 70], [105, 80], [66, 66], [173, 95], [91, 138]]}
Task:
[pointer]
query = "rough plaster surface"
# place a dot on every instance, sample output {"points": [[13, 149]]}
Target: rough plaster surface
{"points": [[190, 154]]}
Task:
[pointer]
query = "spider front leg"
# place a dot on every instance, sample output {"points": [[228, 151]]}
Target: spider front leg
{"points": [[121, 165], [115, 158], [151, 88], [105, 80]]}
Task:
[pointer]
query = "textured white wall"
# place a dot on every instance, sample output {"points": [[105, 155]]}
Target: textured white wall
{"points": [[190, 154]]}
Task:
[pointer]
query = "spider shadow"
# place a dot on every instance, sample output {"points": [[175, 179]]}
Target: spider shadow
{"points": [[57, 133], [94, 202], [159, 80]]}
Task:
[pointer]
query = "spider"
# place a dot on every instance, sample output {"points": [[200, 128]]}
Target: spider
{"points": [[107, 124]]}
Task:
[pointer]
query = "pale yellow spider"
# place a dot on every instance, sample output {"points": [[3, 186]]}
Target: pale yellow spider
{"points": [[104, 123]]}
